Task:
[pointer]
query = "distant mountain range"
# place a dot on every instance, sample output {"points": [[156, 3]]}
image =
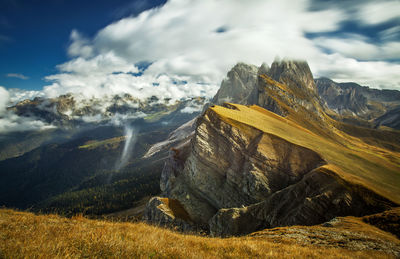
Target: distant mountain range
{"points": [[78, 164]]}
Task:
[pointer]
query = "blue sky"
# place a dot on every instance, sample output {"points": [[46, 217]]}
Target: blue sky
{"points": [[95, 47], [34, 35]]}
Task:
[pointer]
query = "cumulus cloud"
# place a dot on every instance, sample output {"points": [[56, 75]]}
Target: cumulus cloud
{"points": [[16, 75]]}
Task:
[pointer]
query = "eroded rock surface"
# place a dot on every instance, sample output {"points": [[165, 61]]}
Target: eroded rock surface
{"points": [[168, 213], [320, 196]]}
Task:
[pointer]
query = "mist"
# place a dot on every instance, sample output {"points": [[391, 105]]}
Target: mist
{"points": [[130, 141]]}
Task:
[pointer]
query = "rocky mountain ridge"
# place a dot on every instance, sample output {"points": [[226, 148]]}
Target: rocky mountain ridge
{"points": [[247, 168], [353, 100]]}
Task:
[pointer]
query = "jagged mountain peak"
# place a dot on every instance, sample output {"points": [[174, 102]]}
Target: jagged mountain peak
{"points": [[242, 82], [239, 86], [293, 72]]}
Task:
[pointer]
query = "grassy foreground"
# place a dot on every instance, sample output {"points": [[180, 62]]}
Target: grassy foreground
{"points": [[25, 235]]}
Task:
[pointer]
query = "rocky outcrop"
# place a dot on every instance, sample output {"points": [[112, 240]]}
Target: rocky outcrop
{"points": [[320, 196], [239, 86], [168, 213]]}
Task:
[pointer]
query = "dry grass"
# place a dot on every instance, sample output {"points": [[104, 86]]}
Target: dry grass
{"points": [[376, 168], [24, 235]]}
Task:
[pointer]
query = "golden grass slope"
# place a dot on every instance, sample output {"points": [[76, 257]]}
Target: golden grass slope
{"points": [[371, 166], [25, 235]]}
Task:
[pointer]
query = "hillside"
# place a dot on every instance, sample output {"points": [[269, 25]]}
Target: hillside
{"points": [[357, 160], [49, 236]]}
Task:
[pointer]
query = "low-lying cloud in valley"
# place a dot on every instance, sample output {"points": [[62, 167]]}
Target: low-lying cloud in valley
{"points": [[184, 48]]}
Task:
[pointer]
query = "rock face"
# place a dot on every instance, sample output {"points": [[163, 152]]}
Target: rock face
{"points": [[293, 73], [320, 196], [238, 87], [167, 212], [390, 119], [253, 166], [353, 99]]}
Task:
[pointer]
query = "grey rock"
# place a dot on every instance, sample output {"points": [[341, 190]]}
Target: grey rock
{"points": [[239, 86]]}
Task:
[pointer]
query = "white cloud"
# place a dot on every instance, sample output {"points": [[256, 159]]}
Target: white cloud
{"points": [[369, 73], [17, 95], [356, 46], [16, 75], [379, 11], [80, 46], [11, 122]]}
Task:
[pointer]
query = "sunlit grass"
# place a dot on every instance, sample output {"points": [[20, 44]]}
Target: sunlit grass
{"points": [[376, 168], [24, 235]]}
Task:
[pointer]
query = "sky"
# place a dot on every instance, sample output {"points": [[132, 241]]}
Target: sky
{"points": [[184, 48]]}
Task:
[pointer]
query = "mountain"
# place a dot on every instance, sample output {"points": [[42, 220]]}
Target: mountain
{"points": [[283, 161], [91, 161], [354, 102]]}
